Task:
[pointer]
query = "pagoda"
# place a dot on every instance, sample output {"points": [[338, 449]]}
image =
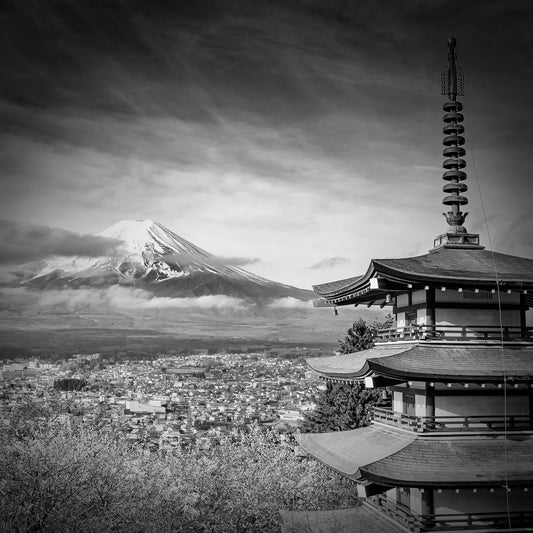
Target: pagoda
{"points": [[455, 450]]}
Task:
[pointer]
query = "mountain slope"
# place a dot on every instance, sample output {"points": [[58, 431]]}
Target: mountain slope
{"points": [[154, 258]]}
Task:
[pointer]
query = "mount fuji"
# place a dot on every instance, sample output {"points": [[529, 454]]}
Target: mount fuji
{"points": [[151, 257]]}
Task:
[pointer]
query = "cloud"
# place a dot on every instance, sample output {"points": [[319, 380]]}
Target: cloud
{"points": [[191, 259], [8, 276], [117, 297], [329, 262], [128, 298], [223, 118], [22, 243], [291, 303]]}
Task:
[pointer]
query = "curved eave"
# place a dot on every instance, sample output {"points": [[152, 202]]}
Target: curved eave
{"points": [[451, 281], [419, 361], [353, 365], [339, 520], [458, 362], [473, 268], [463, 266], [452, 463], [347, 451], [344, 288], [397, 458]]}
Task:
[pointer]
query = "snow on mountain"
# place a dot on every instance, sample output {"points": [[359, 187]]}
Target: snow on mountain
{"points": [[157, 259]]}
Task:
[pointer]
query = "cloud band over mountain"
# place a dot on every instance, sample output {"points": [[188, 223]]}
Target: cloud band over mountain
{"points": [[117, 297], [24, 243]]}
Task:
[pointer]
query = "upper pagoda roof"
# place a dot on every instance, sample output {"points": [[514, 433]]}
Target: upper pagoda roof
{"points": [[452, 267], [393, 457], [446, 361]]}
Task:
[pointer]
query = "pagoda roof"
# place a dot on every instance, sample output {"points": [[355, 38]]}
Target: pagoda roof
{"points": [[446, 361], [447, 266], [360, 519], [458, 462], [392, 457], [348, 451]]}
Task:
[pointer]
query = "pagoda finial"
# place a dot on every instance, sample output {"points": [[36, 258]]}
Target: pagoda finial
{"points": [[452, 76], [453, 86]]}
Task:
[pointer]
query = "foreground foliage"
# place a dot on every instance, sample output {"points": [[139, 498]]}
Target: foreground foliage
{"points": [[56, 479]]}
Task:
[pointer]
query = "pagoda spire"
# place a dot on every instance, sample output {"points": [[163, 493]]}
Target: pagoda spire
{"points": [[452, 85]]}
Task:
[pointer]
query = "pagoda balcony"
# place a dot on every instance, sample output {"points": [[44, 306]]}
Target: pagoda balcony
{"points": [[453, 424], [487, 522], [455, 333]]}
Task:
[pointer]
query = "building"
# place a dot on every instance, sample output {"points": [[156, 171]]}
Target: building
{"points": [[139, 408], [455, 451]]}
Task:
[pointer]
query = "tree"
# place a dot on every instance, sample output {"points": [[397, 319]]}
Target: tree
{"points": [[342, 406], [59, 480], [358, 337], [361, 336], [345, 406], [69, 384]]}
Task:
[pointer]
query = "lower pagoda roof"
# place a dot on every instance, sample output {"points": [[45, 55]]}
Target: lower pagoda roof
{"points": [[392, 457], [354, 520], [347, 451], [445, 266], [430, 361]]}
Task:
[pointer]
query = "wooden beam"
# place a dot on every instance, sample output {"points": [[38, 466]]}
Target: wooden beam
{"points": [[367, 489]]}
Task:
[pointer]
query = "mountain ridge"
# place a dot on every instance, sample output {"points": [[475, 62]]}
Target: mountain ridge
{"points": [[154, 258]]}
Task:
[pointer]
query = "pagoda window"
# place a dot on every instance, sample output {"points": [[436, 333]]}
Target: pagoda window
{"points": [[474, 405], [402, 300], [482, 501], [473, 295], [400, 320], [481, 296], [476, 316], [418, 297], [409, 405]]}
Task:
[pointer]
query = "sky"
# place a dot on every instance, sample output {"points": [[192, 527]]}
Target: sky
{"points": [[303, 137]]}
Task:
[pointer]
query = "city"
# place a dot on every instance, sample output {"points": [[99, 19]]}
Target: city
{"points": [[171, 400]]}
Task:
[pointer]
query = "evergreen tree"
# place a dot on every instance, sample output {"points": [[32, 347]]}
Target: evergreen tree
{"points": [[345, 406], [358, 337], [361, 336]]}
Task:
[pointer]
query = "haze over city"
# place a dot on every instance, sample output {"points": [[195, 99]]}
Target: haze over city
{"points": [[299, 138]]}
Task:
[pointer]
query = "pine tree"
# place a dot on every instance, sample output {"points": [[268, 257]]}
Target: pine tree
{"points": [[345, 406]]}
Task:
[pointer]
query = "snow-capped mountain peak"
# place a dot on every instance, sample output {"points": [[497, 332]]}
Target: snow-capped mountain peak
{"points": [[142, 235], [150, 256], [147, 249]]}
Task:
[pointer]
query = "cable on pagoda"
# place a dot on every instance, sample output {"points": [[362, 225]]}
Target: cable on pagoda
{"points": [[453, 86], [498, 294]]}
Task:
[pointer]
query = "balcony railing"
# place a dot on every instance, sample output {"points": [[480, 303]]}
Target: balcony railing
{"points": [[455, 333], [425, 424], [451, 522]]}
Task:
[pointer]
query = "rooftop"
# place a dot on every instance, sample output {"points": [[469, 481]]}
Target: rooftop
{"points": [[338, 520], [393, 457], [439, 361], [452, 267]]}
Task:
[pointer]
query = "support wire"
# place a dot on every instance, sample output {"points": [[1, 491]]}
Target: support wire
{"points": [[503, 359]]}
